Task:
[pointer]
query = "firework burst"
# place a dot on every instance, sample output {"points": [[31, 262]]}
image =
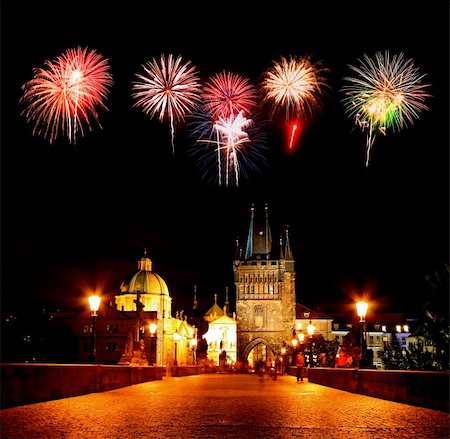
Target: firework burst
{"points": [[386, 93], [227, 94], [295, 86], [228, 149], [168, 89], [62, 97]]}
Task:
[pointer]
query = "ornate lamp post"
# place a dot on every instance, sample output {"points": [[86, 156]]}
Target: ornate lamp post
{"points": [[152, 328], [361, 310], [94, 305], [294, 345], [176, 337], [310, 329]]}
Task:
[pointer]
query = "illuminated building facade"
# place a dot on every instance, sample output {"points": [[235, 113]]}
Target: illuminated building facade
{"points": [[173, 335], [119, 324], [265, 292]]}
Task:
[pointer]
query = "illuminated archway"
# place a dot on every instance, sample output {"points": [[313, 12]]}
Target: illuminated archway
{"points": [[257, 350]]}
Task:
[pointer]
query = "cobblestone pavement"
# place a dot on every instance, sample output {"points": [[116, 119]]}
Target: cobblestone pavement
{"points": [[223, 406]]}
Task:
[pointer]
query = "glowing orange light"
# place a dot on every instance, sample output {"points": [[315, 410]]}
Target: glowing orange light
{"points": [[94, 304]]}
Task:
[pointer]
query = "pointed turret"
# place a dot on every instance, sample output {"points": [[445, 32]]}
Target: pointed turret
{"points": [[249, 248], [287, 246], [237, 250], [267, 234], [195, 303], [281, 248], [227, 303], [259, 241]]}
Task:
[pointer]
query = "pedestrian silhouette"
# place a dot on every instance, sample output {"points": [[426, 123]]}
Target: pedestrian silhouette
{"points": [[300, 363]]}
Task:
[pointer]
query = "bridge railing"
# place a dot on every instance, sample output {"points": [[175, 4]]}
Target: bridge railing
{"points": [[421, 388], [24, 383]]}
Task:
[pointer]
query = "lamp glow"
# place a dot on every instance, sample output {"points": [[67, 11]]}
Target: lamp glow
{"points": [[361, 310], [94, 304]]}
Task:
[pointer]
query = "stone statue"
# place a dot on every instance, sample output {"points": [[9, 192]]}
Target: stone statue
{"points": [[134, 354]]}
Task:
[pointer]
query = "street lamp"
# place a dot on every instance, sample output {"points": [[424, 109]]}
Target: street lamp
{"points": [[361, 310], [176, 337], [94, 305], [294, 345], [153, 327], [193, 344], [310, 329]]}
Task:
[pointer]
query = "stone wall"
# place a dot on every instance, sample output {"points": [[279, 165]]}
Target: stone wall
{"points": [[421, 388], [31, 383]]}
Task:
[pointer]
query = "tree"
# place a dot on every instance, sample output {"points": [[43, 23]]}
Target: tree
{"points": [[394, 357], [431, 351], [436, 317]]}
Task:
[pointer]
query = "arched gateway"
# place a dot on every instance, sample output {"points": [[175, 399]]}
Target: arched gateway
{"points": [[258, 350], [265, 292]]}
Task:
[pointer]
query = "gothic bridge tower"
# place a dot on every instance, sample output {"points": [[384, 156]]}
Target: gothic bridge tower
{"points": [[265, 292]]}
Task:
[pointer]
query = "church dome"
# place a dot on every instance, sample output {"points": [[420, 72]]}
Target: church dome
{"points": [[148, 282], [145, 280]]}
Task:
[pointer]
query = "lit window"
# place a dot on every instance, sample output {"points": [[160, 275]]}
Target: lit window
{"points": [[398, 328], [383, 328], [405, 328]]}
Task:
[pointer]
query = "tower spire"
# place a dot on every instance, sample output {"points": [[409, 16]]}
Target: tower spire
{"points": [[267, 234], [237, 250], [195, 303], [249, 249], [287, 248], [227, 303], [281, 248]]}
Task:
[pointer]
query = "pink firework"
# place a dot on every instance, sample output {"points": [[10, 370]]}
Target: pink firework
{"points": [[168, 89], [62, 97], [231, 132], [227, 94]]}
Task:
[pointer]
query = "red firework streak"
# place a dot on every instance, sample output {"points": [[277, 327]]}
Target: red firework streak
{"points": [[294, 129]]}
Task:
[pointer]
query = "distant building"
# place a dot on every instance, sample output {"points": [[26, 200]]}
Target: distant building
{"points": [[380, 327], [221, 334], [265, 292], [323, 323]]}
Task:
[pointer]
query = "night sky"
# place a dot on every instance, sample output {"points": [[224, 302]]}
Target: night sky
{"points": [[77, 217]]}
